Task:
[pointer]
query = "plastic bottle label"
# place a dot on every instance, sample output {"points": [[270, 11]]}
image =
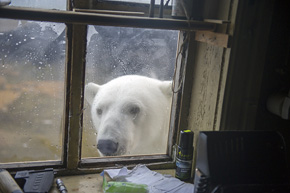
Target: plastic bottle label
{"points": [[183, 169]]}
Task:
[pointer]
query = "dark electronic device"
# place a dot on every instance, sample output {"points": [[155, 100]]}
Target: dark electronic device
{"points": [[241, 161], [35, 181]]}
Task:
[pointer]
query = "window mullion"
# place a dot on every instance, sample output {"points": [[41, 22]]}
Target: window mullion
{"points": [[182, 87], [76, 88]]}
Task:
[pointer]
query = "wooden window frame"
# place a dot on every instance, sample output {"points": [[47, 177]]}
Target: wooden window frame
{"points": [[77, 23]]}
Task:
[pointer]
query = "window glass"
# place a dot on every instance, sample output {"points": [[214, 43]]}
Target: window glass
{"points": [[43, 4], [133, 111], [32, 70]]}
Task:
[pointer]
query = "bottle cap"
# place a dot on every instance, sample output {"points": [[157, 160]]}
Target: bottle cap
{"points": [[186, 139]]}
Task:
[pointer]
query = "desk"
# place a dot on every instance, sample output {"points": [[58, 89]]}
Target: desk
{"points": [[91, 183]]}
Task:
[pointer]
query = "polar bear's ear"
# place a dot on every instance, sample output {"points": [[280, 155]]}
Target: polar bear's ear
{"points": [[166, 88], [91, 91]]}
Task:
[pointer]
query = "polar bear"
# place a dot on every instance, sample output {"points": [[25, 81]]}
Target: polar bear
{"points": [[131, 115]]}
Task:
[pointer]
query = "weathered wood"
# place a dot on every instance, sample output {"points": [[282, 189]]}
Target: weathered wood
{"points": [[124, 161], [216, 39], [174, 116], [110, 12], [206, 75], [246, 65], [151, 8], [209, 73], [187, 78], [18, 166], [217, 21], [102, 19], [124, 6], [177, 88], [76, 90], [229, 29]]}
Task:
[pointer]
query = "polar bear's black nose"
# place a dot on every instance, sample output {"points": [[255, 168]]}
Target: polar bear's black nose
{"points": [[107, 147]]}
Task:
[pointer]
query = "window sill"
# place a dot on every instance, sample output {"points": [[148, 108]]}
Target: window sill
{"points": [[90, 182]]}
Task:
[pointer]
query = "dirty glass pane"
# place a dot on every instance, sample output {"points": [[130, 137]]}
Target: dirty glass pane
{"points": [[42, 4], [132, 113], [32, 69]]}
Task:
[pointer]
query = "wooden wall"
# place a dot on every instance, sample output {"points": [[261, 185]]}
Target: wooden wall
{"points": [[231, 85], [209, 70], [247, 62]]}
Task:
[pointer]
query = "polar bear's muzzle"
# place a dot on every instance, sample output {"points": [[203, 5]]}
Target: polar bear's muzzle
{"points": [[107, 147]]}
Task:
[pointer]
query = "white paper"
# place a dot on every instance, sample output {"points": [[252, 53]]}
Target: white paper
{"points": [[157, 183]]}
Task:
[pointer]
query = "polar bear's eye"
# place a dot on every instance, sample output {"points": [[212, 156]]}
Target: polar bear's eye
{"points": [[134, 110], [99, 111]]}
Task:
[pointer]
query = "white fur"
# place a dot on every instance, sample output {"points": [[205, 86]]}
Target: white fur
{"points": [[133, 111]]}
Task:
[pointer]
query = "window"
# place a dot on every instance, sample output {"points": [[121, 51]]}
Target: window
{"points": [[71, 38], [32, 75], [117, 51]]}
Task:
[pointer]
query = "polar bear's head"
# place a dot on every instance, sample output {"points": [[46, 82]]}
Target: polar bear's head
{"points": [[131, 115]]}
